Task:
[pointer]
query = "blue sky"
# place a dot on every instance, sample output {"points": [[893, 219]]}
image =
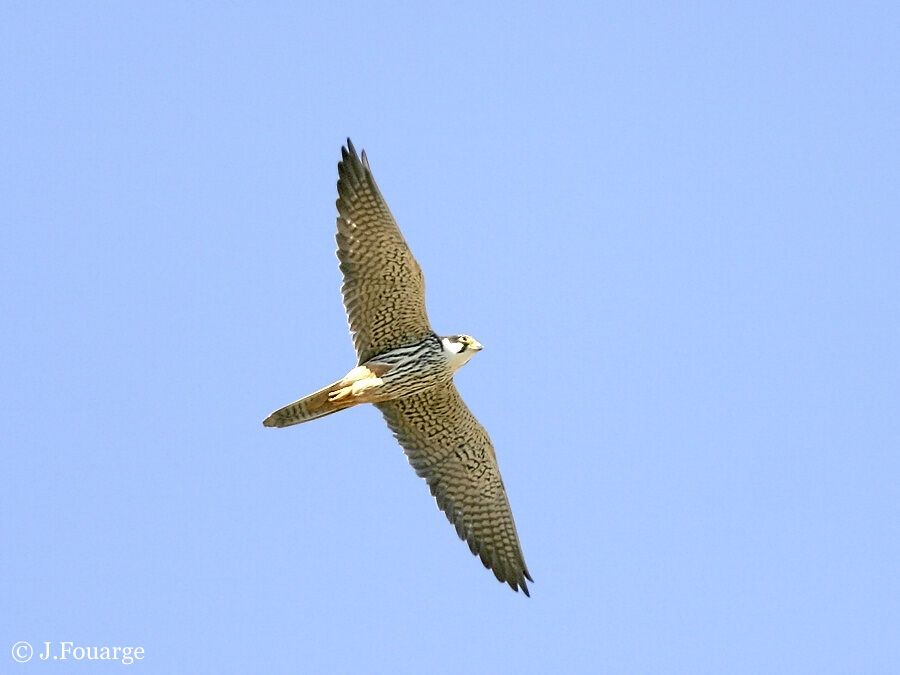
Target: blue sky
{"points": [[674, 227]]}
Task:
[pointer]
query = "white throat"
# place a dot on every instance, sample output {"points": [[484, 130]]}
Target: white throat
{"points": [[457, 356]]}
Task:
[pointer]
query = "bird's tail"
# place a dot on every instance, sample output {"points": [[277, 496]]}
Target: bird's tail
{"points": [[309, 408]]}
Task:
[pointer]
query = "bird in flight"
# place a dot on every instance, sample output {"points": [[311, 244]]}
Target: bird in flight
{"points": [[406, 370]]}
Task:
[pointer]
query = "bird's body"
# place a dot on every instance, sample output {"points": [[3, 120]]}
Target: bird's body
{"points": [[407, 370], [394, 374]]}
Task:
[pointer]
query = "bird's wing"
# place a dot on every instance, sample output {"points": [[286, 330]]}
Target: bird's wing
{"points": [[384, 289], [447, 447]]}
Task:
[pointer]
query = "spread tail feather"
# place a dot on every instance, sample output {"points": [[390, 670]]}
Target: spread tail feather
{"points": [[308, 408]]}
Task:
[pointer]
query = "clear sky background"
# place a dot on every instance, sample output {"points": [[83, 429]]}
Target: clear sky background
{"points": [[674, 227]]}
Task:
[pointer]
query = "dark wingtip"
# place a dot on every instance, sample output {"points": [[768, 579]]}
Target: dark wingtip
{"points": [[350, 163]]}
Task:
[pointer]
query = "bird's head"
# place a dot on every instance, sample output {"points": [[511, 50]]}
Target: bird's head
{"points": [[461, 348]]}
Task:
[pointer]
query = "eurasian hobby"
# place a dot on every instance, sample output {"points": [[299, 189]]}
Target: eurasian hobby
{"points": [[407, 370]]}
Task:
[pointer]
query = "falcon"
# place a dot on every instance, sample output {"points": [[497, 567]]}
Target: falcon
{"points": [[406, 370]]}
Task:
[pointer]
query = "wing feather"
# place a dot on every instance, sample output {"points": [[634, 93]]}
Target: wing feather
{"points": [[447, 447], [384, 288]]}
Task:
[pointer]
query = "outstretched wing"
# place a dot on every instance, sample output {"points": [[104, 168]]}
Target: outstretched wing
{"points": [[384, 289], [447, 447]]}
